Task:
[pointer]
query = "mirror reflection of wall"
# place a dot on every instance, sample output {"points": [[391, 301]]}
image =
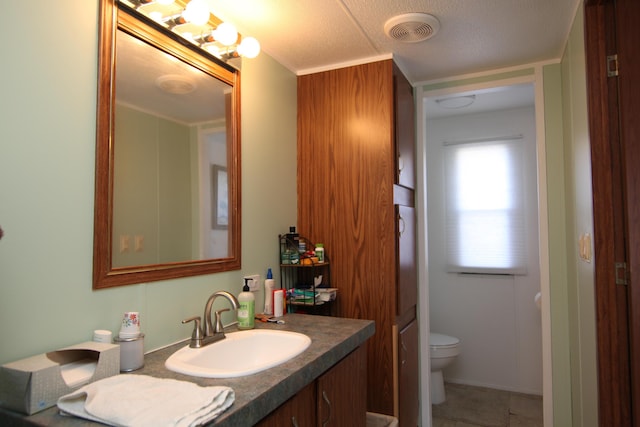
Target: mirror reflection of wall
{"points": [[213, 221], [170, 128]]}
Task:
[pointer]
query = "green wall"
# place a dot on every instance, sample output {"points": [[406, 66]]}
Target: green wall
{"points": [[153, 189], [47, 156], [573, 335], [580, 272], [556, 218]]}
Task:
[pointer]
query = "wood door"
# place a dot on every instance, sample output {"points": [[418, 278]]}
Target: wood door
{"points": [[406, 254], [405, 134], [611, 29], [628, 37], [342, 392], [299, 411], [408, 376]]}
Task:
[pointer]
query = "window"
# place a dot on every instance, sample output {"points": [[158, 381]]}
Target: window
{"points": [[485, 224]]}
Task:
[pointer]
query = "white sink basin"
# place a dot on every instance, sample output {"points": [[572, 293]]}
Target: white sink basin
{"points": [[240, 353]]}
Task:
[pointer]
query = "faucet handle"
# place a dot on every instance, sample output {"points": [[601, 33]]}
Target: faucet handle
{"points": [[196, 335], [219, 327]]}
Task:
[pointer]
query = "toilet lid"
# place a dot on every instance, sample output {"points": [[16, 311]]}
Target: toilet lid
{"points": [[441, 340]]}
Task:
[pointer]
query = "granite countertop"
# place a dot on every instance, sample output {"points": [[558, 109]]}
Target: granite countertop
{"points": [[257, 395]]}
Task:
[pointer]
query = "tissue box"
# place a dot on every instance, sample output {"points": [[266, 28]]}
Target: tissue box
{"points": [[33, 384], [326, 294]]}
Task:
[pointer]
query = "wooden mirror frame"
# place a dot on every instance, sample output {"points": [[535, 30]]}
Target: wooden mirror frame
{"points": [[104, 275]]}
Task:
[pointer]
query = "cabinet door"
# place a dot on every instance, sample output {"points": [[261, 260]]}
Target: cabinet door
{"points": [[342, 392], [407, 276], [408, 373], [404, 123], [299, 411]]}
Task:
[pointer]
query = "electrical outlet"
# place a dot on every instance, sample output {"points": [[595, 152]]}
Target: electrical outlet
{"points": [[125, 241], [254, 283], [139, 243]]}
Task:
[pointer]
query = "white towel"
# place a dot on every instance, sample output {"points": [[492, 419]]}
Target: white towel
{"points": [[141, 401]]}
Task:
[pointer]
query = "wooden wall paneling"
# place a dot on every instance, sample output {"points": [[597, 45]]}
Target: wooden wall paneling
{"points": [[345, 199]]}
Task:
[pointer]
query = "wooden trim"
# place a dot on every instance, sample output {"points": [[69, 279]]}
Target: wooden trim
{"points": [[104, 275], [396, 370]]}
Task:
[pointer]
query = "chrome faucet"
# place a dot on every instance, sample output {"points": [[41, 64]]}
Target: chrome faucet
{"points": [[211, 332]]}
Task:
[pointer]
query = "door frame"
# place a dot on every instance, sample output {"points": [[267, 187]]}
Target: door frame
{"points": [[536, 79]]}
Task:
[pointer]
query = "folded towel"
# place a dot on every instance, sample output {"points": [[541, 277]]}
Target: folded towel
{"points": [[140, 401]]}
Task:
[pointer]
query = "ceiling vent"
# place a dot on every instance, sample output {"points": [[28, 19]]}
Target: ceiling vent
{"points": [[412, 27]]}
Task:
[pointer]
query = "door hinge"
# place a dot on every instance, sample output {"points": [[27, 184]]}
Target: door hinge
{"points": [[621, 274], [612, 65]]}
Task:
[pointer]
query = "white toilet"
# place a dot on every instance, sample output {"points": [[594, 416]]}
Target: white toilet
{"points": [[444, 350]]}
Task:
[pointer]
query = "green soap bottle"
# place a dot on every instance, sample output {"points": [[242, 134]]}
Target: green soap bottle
{"points": [[246, 311]]}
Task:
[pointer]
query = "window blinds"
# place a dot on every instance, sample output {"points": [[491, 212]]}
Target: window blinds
{"points": [[484, 203]]}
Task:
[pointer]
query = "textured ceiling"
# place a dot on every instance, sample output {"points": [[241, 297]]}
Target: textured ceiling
{"points": [[474, 35]]}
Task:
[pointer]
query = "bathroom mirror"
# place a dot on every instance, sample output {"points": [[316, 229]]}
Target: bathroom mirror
{"points": [[167, 200]]}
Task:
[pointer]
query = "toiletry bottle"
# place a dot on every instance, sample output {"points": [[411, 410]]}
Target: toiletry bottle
{"points": [[285, 257], [269, 286], [293, 242], [320, 252], [294, 238], [246, 311]]}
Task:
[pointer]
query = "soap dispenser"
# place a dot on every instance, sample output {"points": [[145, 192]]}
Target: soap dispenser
{"points": [[246, 311]]}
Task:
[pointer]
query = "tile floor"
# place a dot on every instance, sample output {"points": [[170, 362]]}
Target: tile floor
{"points": [[468, 406]]}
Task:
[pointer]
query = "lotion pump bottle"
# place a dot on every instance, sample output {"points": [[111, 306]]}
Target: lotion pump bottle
{"points": [[246, 311], [269, 286]]}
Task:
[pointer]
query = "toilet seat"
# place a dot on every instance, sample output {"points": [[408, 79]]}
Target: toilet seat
{"points": [[442, 341]]}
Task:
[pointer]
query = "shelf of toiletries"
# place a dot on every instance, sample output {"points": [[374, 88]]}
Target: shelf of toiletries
{"points": [[305, 274]]}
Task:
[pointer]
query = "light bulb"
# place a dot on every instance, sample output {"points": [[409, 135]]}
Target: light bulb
{"points": [[226, 34], [249, 47], [196, 12]]}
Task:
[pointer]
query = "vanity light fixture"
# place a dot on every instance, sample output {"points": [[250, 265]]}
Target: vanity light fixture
{"points": [[193, 21], [455, 102]]}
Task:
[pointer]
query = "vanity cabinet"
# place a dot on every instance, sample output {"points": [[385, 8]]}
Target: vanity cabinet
{"points": [[335, 399], [356, 144], [298, 411]]}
